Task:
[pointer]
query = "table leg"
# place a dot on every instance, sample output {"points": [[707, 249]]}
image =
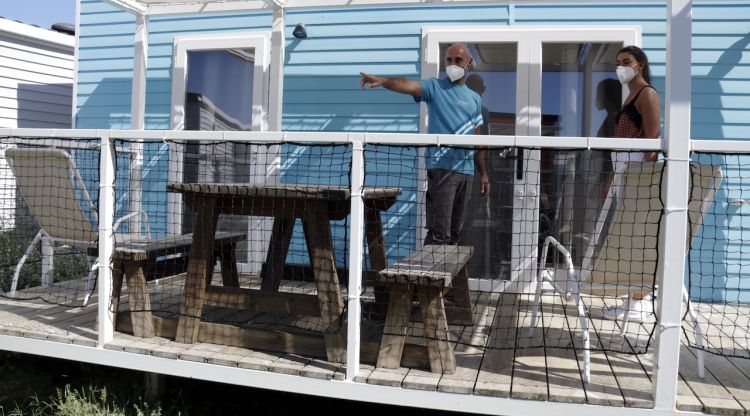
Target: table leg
{"points": [[117, 276], [376, 250], [138, 299], [461, 297], [199, 267], [396, 324], [317, 228], [229, 275], [278, 247]]}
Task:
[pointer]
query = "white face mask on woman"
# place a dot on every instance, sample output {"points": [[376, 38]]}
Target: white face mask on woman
{"points": [[625, 74], [455, 72]]}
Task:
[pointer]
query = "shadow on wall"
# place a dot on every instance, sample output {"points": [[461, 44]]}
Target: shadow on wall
{"points": [[44, 105], [717, 255]]}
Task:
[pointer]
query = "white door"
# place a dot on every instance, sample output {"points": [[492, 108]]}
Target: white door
{"points": [[538, 81]]}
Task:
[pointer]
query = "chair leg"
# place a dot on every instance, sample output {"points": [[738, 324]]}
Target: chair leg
{"points": [[586, 338], [17, 273], [536, 302], [626, 317], [48, 258], [91, 281], [698, 333]]}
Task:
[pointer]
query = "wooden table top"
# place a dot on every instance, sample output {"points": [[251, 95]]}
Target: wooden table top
{"points": [[324, 192]]}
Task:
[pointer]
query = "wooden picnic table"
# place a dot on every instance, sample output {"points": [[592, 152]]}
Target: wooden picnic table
{"points": [[316, 206]]}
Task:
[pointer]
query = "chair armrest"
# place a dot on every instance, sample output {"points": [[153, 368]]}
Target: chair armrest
{"points": [[572, 274]]}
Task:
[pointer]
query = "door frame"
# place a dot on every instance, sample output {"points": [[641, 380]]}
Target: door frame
{"points": [[260, 42], [529, 39]]}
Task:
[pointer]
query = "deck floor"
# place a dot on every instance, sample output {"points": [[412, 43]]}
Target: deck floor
{"points": [[510, 365]]}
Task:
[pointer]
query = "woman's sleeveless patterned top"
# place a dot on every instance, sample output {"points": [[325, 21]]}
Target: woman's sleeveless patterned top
{"points": [[628, 121]]}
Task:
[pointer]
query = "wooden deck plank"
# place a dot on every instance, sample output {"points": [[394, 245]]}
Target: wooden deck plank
{"points": [[564, 375], [393, 377], [725, 391], [323, 370], [602, 388], [634, 383], [530, 361], [470, 347], [291, 364], [729, 376], [417, 379], [715, 398], [496, 372]]}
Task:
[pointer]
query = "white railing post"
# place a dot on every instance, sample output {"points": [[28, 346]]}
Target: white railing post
{"points": [[671, 270], [356, 237], [106, 237]]}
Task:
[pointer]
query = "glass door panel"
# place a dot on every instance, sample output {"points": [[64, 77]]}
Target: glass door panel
{"points": [[489, 221], [580, 95]]}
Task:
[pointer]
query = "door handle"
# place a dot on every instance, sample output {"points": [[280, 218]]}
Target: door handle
{"points": [[519, 163]]}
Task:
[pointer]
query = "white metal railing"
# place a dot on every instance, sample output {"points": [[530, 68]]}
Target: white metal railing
{"points": [[358, 142]]}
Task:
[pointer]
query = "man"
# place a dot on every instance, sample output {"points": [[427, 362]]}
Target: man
{"points": [[453, 109]]}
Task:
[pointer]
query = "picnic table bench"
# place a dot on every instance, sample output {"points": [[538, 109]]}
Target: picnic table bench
{"points": [[432, 271], [135, 259]]}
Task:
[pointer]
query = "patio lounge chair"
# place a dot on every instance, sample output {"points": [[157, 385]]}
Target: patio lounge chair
{"points": [[623, 260], [48, 181], [50, 184]]}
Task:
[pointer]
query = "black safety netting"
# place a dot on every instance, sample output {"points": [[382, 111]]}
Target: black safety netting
{"points": [[717, 282], [48, 224], [471, 264], [234, 243]]}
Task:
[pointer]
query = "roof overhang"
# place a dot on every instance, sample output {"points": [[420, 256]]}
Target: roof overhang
{"points": [[162, 7]]}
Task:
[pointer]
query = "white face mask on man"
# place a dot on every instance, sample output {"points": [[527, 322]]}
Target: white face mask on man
{"points": [[625, 74], [455, 72]]}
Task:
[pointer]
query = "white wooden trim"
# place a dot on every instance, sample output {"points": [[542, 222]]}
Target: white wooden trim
{"points": [[105, 322], [213, 6], [259, 41], [76, 46], [138, 118], [276, 81], [720, 146], [673, 230], [356, 249]]}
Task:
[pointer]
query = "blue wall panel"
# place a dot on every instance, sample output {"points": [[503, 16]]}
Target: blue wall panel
{"points": [[321, 91]]}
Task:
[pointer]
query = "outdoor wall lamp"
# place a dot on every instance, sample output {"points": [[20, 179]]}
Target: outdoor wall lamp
{"points": [[300, 32]]}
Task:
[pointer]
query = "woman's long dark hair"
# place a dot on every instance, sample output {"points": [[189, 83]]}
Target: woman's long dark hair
{"points": [[641, 57]]}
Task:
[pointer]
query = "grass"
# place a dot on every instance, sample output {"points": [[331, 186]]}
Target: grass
{"points": [[40, 386]]}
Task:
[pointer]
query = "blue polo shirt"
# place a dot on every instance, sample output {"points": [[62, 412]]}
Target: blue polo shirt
{"points": [[453, 109]]}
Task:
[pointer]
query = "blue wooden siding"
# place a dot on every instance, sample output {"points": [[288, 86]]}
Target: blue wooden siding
{"points": [[321, 91]]}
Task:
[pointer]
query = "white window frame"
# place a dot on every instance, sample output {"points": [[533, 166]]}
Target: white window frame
{"points": [[528, 120], [260, 43]]}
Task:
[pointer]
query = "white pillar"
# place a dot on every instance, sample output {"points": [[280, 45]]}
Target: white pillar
{"points": [[354, 306], [276, 87], [106, 239], [137, 116], [671, 270]]}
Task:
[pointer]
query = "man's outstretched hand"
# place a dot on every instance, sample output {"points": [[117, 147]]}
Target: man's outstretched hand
{"points": [[372, 80]]}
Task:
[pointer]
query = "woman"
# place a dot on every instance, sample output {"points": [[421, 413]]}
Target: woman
{"points": [[638, 118]]}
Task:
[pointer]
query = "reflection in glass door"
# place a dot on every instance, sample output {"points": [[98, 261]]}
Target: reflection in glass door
{"points": [[488, 226], [581, 95], [213, 104]]}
